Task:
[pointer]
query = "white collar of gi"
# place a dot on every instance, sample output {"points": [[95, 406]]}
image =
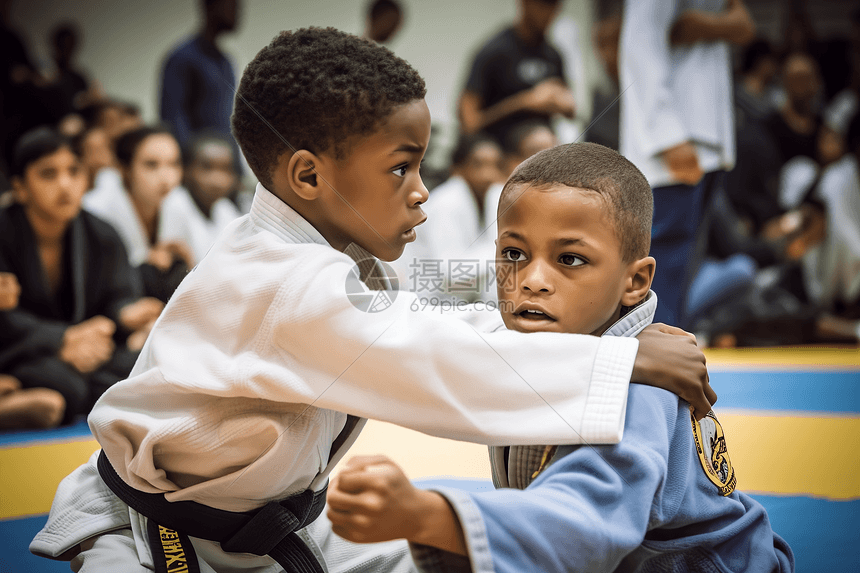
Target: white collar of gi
{"points": [[276, 216], [636, 319]]}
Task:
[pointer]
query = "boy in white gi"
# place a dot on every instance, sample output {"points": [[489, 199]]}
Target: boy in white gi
{"points": [[265, 362], [574, 226]]}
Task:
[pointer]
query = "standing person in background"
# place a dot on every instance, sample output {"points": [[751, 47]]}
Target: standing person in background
{"points": [[73, 87], [197, 212], [677, 123], [604, 127], [384, 20], [517, 77], [198, 81]]}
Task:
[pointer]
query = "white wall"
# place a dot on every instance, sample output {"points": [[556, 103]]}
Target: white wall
{"points": [[123, 43]]}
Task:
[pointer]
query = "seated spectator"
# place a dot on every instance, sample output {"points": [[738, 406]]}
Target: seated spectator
{"points": [[453, 255], [524, 141], [196, 213], [832, 269], [24, 408], [794, 127], [151, 167], [96, 152], [754, 100], [79, 299]]}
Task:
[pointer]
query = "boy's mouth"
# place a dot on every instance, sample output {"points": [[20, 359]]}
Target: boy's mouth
{"points": [[533, 312]]}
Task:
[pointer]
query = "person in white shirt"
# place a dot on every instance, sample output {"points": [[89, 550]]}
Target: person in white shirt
{"points": [[677, 123], [151, 168], [262, 367], [197, 212]]}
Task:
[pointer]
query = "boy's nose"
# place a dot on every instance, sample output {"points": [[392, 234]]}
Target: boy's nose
{"points": [[535, 278], [420, 194]]}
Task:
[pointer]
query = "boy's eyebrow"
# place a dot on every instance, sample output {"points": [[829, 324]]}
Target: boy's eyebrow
{"points": [[409, 148], [513, 235], [565, 242]]}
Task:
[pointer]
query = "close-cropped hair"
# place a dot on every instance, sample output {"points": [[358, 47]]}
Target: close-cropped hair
{"points": [[128, 143], [191, 150], [599, 169], [466, 145], [36, 144], [314, 88]]}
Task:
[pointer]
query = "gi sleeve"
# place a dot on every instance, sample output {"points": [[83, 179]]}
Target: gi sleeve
{"points": [[585, 512], [439, 375], [645, 61]]}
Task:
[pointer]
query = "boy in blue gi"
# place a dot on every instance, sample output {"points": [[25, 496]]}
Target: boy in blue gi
{"points": [[574, 231], [269, 357]]}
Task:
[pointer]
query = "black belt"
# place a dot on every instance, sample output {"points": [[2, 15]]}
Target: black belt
{"points": [[269, 530]]}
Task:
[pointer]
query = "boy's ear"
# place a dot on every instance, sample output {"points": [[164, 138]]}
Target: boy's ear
{"points": [[640, 273], [300, 171]]}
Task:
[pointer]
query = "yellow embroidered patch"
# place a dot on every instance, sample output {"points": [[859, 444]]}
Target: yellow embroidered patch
{"points": [[712, 451]]}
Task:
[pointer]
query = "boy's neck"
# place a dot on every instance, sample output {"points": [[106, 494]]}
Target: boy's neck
{"points": [[311, 213]]}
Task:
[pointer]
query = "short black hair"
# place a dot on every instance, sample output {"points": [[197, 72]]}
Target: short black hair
{"points": [[515, 137], [36, 144], [379, 7], [200, 139], [312, 89], [599, 169], [466, 144], [128, 143]]}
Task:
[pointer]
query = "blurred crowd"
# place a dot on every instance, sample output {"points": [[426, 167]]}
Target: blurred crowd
{"points": [[102, 213]]}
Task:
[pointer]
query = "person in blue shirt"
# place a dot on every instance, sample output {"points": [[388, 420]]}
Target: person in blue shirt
{"points": [[573, 238], [198, 81]]}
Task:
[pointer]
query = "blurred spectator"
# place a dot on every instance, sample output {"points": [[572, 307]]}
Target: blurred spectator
{"points": [[74, 89], [32, 407], [832, 269], [524, 141], [452, 257], [196, 213], [754, 99], [96, 152], [516, 77], [384, 20], [80, 300], [198, 81], [151, 167], [24, 101], [795, 126], [677, 123], [604, 128]]}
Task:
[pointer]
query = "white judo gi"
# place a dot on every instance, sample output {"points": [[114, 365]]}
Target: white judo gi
{"points": [[249, 374]]}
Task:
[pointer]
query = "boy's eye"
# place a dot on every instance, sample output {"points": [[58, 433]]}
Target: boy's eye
{"points": [[513, 255], [400, 170], [571, 260]]}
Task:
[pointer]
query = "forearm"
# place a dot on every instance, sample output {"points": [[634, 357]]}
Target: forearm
{"points": [[438, 525], [734, 25], [474, 118]]}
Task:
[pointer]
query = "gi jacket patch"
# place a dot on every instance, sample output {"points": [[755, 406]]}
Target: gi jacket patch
{"points": [[713, 453]]}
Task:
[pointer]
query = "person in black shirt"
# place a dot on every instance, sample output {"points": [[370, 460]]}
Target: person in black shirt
{"points": [[516, 77]]}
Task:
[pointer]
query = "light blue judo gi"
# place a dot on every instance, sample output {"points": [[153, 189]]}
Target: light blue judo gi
{"points": [[661, 500]]}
